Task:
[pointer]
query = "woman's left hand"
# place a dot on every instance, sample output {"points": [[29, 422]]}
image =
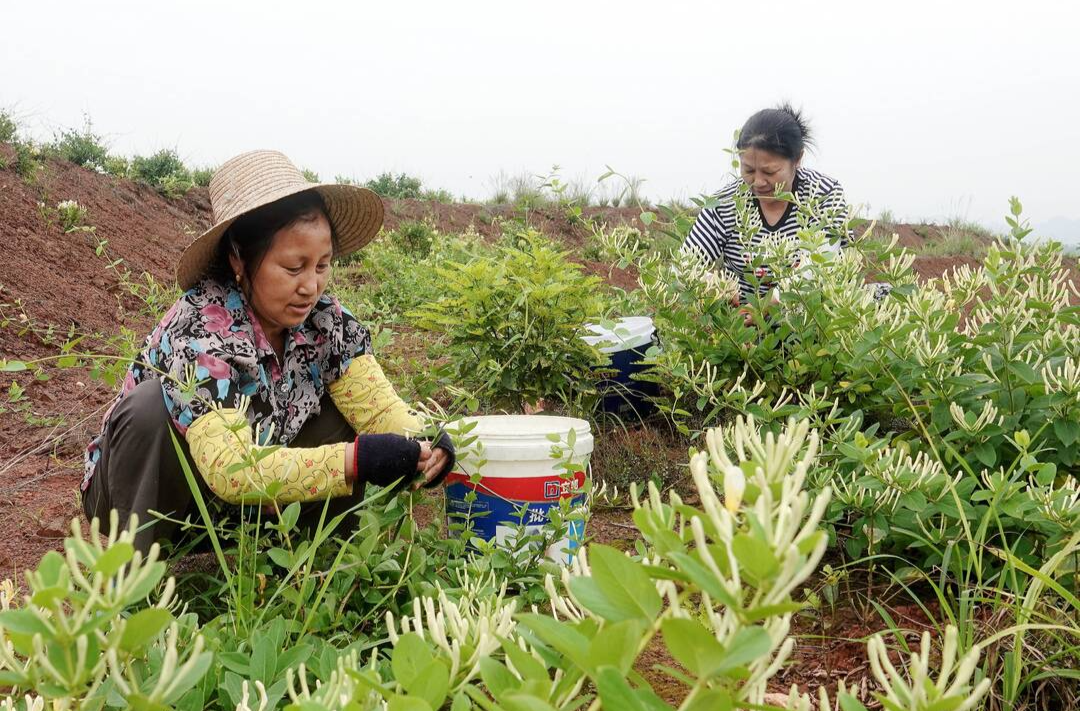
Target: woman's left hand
{"points": [[432, 461]]}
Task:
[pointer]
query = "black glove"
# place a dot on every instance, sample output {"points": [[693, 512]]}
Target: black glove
{"points": [[443, 442], [382, 459]]}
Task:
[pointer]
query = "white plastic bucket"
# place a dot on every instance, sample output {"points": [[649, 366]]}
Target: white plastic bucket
{"points": [[625, 343], [630, 333], [520, 480]]}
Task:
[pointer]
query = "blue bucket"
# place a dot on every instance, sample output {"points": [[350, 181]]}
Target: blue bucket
{"points": [[625, 343]]}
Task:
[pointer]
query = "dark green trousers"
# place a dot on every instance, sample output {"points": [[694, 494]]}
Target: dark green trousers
{"points": [[139, 471]]}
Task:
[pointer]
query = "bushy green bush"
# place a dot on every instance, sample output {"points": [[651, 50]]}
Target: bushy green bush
{"points": [[163, 171], [414, 237], [202, 176], [400, 186], [9, 128], [81, 147], [513, 320]]}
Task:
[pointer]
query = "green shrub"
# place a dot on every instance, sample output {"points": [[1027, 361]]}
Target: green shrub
{"points": [[202, 176], [163, 171], [117, 166], [72, 215], [514, 320], [81, 147], [400, 186], [440, 195], [311, 176], [414, 237], [9, 128]]}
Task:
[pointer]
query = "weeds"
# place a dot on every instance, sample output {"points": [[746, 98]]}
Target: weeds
{"points": [[81, 147], [9, 128], [72, 215], [163, 171]]}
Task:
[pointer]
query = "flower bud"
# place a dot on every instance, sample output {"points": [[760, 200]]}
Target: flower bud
{"points": [[734, 486], [1023, 438]]}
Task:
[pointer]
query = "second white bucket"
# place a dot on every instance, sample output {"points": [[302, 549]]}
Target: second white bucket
{"points": [[520, 473]]}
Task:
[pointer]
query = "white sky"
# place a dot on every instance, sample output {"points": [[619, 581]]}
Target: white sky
{"points": [[932, 109]]}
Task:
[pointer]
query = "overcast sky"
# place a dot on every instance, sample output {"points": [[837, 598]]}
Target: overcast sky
{"points": [[930, 109]]}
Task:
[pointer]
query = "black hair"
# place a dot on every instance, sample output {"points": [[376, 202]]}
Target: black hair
{"points": [[782, 131], [251, 236]]}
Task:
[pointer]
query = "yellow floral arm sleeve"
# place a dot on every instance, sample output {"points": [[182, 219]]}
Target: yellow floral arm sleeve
{"points": [[368, 401], [221, 440]]}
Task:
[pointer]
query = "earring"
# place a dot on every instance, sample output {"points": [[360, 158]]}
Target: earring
{"points": [[238, 278]]}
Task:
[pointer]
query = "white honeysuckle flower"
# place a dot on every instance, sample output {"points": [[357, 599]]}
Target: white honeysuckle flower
{"points": [[1063, 380], [734, 487], [988, 416], [7, 594], [244, 697], [917, 689]]}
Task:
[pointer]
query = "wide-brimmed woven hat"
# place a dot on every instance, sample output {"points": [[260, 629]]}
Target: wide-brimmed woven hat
{"points": [[251, 180]]}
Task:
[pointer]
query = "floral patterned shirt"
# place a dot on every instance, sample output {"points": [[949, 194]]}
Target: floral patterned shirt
{"points": [[213, 350]]}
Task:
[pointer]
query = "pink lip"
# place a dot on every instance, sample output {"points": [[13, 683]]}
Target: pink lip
{"points": [[304, 307]]}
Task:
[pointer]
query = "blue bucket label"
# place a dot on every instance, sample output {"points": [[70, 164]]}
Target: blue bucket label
{"points": [[503, 505]]}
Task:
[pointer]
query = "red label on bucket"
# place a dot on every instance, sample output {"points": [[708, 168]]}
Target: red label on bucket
{"points": [[530, 488]]}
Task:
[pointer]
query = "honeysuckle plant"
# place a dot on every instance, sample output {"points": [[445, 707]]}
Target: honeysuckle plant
{"points": [[97, 623], [714, 585], [957, 372], [921, 685]]}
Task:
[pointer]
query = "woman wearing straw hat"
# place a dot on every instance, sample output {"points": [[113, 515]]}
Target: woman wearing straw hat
{"points": [[255, 354]]}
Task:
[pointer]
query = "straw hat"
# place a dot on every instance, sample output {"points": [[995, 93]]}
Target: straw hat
{"points": [[251, 180]]}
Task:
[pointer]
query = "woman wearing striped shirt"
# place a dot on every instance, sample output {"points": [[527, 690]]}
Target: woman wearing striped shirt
{"points": [[766, 204]]}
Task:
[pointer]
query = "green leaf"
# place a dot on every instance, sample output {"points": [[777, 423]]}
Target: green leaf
{"points": [[52, 569], [281, 557], [693, 646], [985, 453], [24, 622], [522, 701], [497, 678], [184, 681], [616, 693], [703, 578], [47, 597], [620, 589], [12, 366], [617, 645], [850, 703], [1068, 431], [408, 703], [526, 665], [115, 557], [755, 556], [290, 516], [561, 635], [264, 658], [142, 627], [749, 644], [410, 658], [712, 700], [432, 684], [138, 702]]}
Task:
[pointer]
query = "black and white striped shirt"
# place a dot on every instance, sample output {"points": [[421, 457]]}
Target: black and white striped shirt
{"points": [[728, 236]]}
